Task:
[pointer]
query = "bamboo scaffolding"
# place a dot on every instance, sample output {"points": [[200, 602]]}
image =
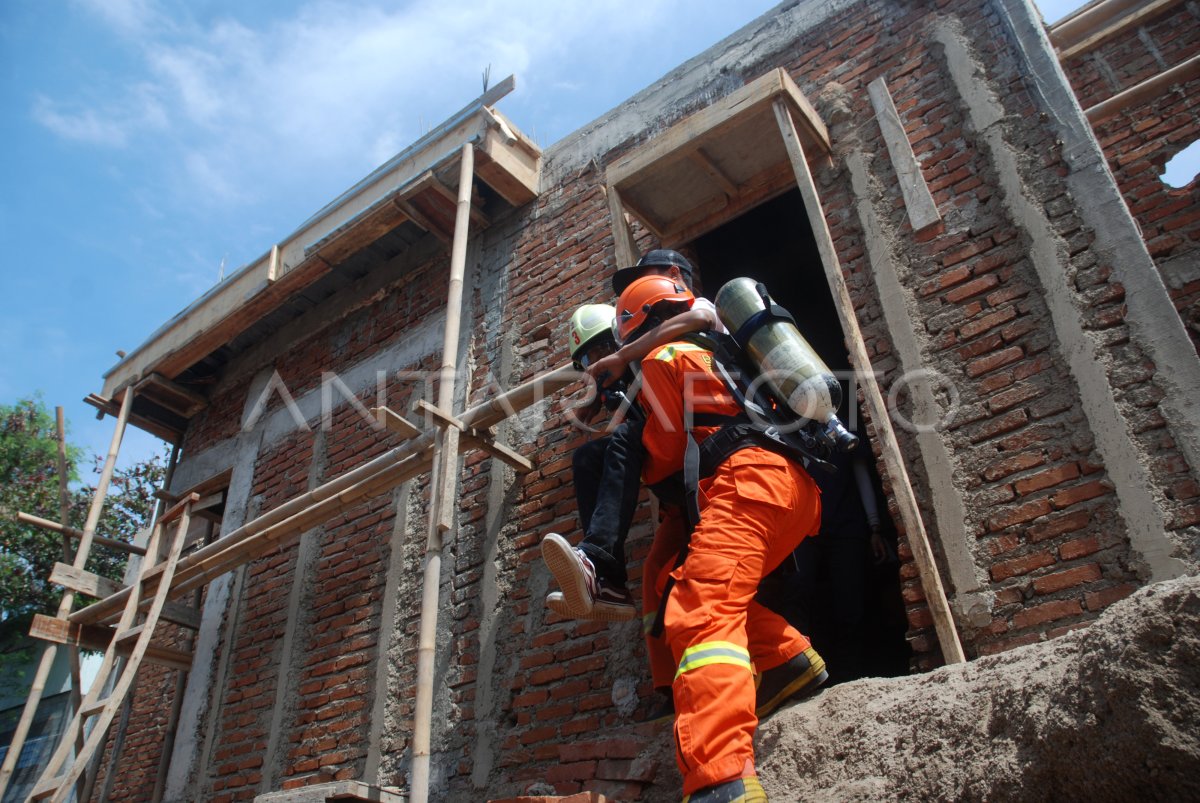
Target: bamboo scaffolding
{"points": [[444, 485], [380, 475], [105, 708], [118, 740], [68, 599]]}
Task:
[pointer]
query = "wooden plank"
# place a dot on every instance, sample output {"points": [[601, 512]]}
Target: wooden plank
{"points": [[691, 132], [98, 637], [918, 200], [360, 232], [512, 169], [158, 430], [762, 187], [208, 502], [418, 219], [178, 508], [394, 422], [93, 709], [276, 527], [83, 582], [505, 454], [98, 587], [439, 417], [171, 395], [478, 218], [906, 498], [702, 160], [623, 245]]}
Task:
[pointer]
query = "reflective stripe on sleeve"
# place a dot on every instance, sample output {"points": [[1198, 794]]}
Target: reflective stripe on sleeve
{"points": [[667, 353], [713, 652]]}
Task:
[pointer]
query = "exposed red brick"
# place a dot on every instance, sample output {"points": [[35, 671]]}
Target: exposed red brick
{"points": [[1046, 612], [1080, 493], [1046, 479], [1059, 581], [1022, 565], [994, 361], [1060, 524], [1099, 600], [1019, 514]]}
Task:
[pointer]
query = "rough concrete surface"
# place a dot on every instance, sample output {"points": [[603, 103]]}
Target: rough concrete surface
{"points": [[1109, 712]]}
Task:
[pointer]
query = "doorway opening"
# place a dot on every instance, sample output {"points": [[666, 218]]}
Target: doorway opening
{"points": [[837, 590]]}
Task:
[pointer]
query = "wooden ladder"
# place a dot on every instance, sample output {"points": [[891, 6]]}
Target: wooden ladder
{"points": [[97, 707]]}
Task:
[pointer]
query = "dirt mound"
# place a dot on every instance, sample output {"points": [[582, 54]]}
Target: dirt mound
{"points": [[1111, 712]]}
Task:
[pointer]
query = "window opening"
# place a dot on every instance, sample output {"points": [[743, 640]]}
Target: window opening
{"points": [[848, 604], [1182, 168]]}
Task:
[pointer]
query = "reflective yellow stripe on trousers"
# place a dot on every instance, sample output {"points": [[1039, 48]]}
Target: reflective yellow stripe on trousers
{"points": [[713, 652]]}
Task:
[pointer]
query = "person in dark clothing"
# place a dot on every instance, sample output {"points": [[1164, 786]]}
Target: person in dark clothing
{"points": [[607, 471]]}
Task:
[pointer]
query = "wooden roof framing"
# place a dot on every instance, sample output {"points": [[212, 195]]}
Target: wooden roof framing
{"points": [[715, 164], [409, 188], [1097, 22], [1100, 21]]}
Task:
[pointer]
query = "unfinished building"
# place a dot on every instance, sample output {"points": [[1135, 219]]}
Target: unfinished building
{"points": [[961, 207]]}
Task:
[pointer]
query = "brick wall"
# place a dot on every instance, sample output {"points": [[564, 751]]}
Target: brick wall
{"points": [[526, 700], [1141, 139]]}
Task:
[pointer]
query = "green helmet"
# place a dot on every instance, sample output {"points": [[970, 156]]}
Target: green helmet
{"points": [[589, 324]]}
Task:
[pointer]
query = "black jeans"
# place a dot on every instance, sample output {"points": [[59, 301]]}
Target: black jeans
{"points": [[608, 477]]}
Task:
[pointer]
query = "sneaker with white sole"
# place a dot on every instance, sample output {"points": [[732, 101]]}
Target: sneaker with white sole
{"points": [[602, 611], [584, 595]]}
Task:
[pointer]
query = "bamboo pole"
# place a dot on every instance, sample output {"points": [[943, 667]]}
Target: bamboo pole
{"points": [[1179, 74], [64, 512], [511, 402], [293, 517], [444, 485], [72, 532], [118, 740], [310, 509], [164, 760], [128, 674], [68, 600], [906, 499]]}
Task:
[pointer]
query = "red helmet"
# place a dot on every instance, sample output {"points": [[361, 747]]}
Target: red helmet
{"points": [[640, 298]]}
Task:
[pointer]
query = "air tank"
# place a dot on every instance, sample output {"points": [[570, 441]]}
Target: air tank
{"points": [[790, 366]]}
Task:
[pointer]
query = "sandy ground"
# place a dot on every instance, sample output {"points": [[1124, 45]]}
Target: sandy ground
{"points": [[1110, 712]]}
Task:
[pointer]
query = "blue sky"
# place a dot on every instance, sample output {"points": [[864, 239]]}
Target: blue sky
{"points": [[149, 142]]}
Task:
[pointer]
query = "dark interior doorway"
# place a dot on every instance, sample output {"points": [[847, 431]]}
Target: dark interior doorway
{"points": [[836, 592]]}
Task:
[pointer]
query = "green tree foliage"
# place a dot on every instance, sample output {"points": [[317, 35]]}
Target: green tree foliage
{"points": [[29, 483]]}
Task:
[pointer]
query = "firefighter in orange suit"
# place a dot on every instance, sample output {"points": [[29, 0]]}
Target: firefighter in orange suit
{"points": [[755, 508]]}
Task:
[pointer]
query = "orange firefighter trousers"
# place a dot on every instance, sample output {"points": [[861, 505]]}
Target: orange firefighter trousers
{"points": [[755, 509], [770, 644]]}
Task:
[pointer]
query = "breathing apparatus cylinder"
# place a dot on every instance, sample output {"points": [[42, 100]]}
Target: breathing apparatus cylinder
{"points": [[768, 336]]}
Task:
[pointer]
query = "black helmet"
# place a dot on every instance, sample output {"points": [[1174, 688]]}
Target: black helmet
{"points": [[658, 258]]}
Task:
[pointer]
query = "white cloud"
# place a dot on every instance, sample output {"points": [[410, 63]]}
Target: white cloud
{"points": [[85, 125], [129, 17], [334, 89], [212, 181]]}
